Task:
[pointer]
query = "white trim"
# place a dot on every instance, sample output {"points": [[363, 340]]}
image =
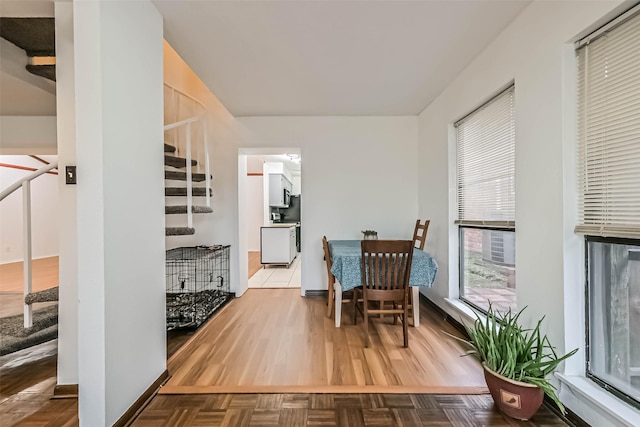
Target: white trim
{"points": [[594, 405], [467, 315]]}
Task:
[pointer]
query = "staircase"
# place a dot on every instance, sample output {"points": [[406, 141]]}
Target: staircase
{"points": [[184, 179], [37, 37], [172, 178]]}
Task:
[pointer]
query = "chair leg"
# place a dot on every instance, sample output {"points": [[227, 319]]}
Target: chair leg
{"points": [[337, 295], [395, 316], [366, 327], [405, 326], [354, 305], [330, 302]]}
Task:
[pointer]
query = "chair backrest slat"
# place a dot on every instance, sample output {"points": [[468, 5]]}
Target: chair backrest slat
{"points": [[386, 264], [420, 234]]}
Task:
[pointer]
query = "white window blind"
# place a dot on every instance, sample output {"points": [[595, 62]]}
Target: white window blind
{"points": [[485, 164], [609, 132]]}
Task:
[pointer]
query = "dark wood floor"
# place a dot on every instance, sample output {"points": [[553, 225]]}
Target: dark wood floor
{"points": [[348, 410], [27, 379]]}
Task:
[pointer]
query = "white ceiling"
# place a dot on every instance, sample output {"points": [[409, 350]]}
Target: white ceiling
{"points": [[320, 57]]}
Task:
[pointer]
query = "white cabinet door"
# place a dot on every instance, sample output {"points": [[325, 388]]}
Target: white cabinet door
{"points": [[292, 243], [277, 245], [276, 193]]}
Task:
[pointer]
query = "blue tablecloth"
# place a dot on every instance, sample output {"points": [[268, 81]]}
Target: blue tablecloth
{"points": [[346, 256]]}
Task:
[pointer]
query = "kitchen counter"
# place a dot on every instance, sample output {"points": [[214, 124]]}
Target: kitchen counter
{"points": [[281, 225], [278, 244]]}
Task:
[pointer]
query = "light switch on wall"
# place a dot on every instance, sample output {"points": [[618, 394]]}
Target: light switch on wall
{"points": [[70, 175]]}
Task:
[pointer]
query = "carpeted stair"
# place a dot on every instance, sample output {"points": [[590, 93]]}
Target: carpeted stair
{"points": [[177, 162], [182, 191], [173, 161], [47, 295], [172, 210], [14, 336], [36, 36], [179, 231], [182, 176]]}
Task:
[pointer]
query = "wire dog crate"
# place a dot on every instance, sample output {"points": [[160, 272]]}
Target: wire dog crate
{"points": [[197, 284]]}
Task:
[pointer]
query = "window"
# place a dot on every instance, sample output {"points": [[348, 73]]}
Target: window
{"points": [[614, 315], [609, 201], [486, 204]]}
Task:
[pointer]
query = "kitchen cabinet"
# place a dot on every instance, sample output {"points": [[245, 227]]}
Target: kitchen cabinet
{"points": [[277, 185], [278, 244]]}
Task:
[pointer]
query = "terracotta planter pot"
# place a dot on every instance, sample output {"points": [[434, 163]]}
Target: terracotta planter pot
{"points": [[513, 398]]}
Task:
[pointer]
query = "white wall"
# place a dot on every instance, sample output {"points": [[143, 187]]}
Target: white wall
{"points": [[28, 135], [358, 172], [254, 205], [221, 227], [536, 52], [44, 212], [67, 207], [121, 272]]}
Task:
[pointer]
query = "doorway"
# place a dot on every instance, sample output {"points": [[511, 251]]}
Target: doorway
{"points": [[270, 218]]}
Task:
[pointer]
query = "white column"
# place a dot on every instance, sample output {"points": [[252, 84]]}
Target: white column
{"points": [[120, 197], [67, 226]]}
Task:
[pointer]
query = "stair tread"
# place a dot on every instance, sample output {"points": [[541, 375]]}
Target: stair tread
{"points": [[46, 71], [46, 295], [179, 231], [182, 191], [177, 162], [182, 209], [182, 176], [169, 148]]}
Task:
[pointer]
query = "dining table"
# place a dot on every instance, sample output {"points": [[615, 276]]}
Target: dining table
{"points": [[346, 258]]}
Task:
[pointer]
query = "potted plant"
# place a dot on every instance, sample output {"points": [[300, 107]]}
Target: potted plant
{"points": [[370, 234], [516, 362]]}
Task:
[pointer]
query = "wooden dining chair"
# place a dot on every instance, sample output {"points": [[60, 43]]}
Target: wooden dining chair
{"points": [[331, 278], [420, 234], [419, 240], [346, 296], [386, 266]]}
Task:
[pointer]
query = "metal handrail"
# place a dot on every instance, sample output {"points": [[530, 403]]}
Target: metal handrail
{"points": [[187, 124], [25, 184], [13, 187], [182, 123]]}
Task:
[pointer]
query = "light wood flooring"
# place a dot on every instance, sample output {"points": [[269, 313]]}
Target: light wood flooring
{"points": [[274, 340], [27, 379], [254, 263], [45, 276], [44, 271]]}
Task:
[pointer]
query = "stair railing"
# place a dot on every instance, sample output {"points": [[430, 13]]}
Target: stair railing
{"points": [[25, 184], [188, 125]]}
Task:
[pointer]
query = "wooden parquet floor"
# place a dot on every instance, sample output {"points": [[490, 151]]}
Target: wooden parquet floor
{"points": [[339, 410]]}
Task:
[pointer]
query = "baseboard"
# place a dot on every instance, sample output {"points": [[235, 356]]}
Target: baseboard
{"points": [[134, 410], [65, 391], [570, 417], [315, 293], [452, 321], [322, 389]]}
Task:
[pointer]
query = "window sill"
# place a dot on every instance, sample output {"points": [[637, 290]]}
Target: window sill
{"points": [[595, 405], [467, 314]]}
